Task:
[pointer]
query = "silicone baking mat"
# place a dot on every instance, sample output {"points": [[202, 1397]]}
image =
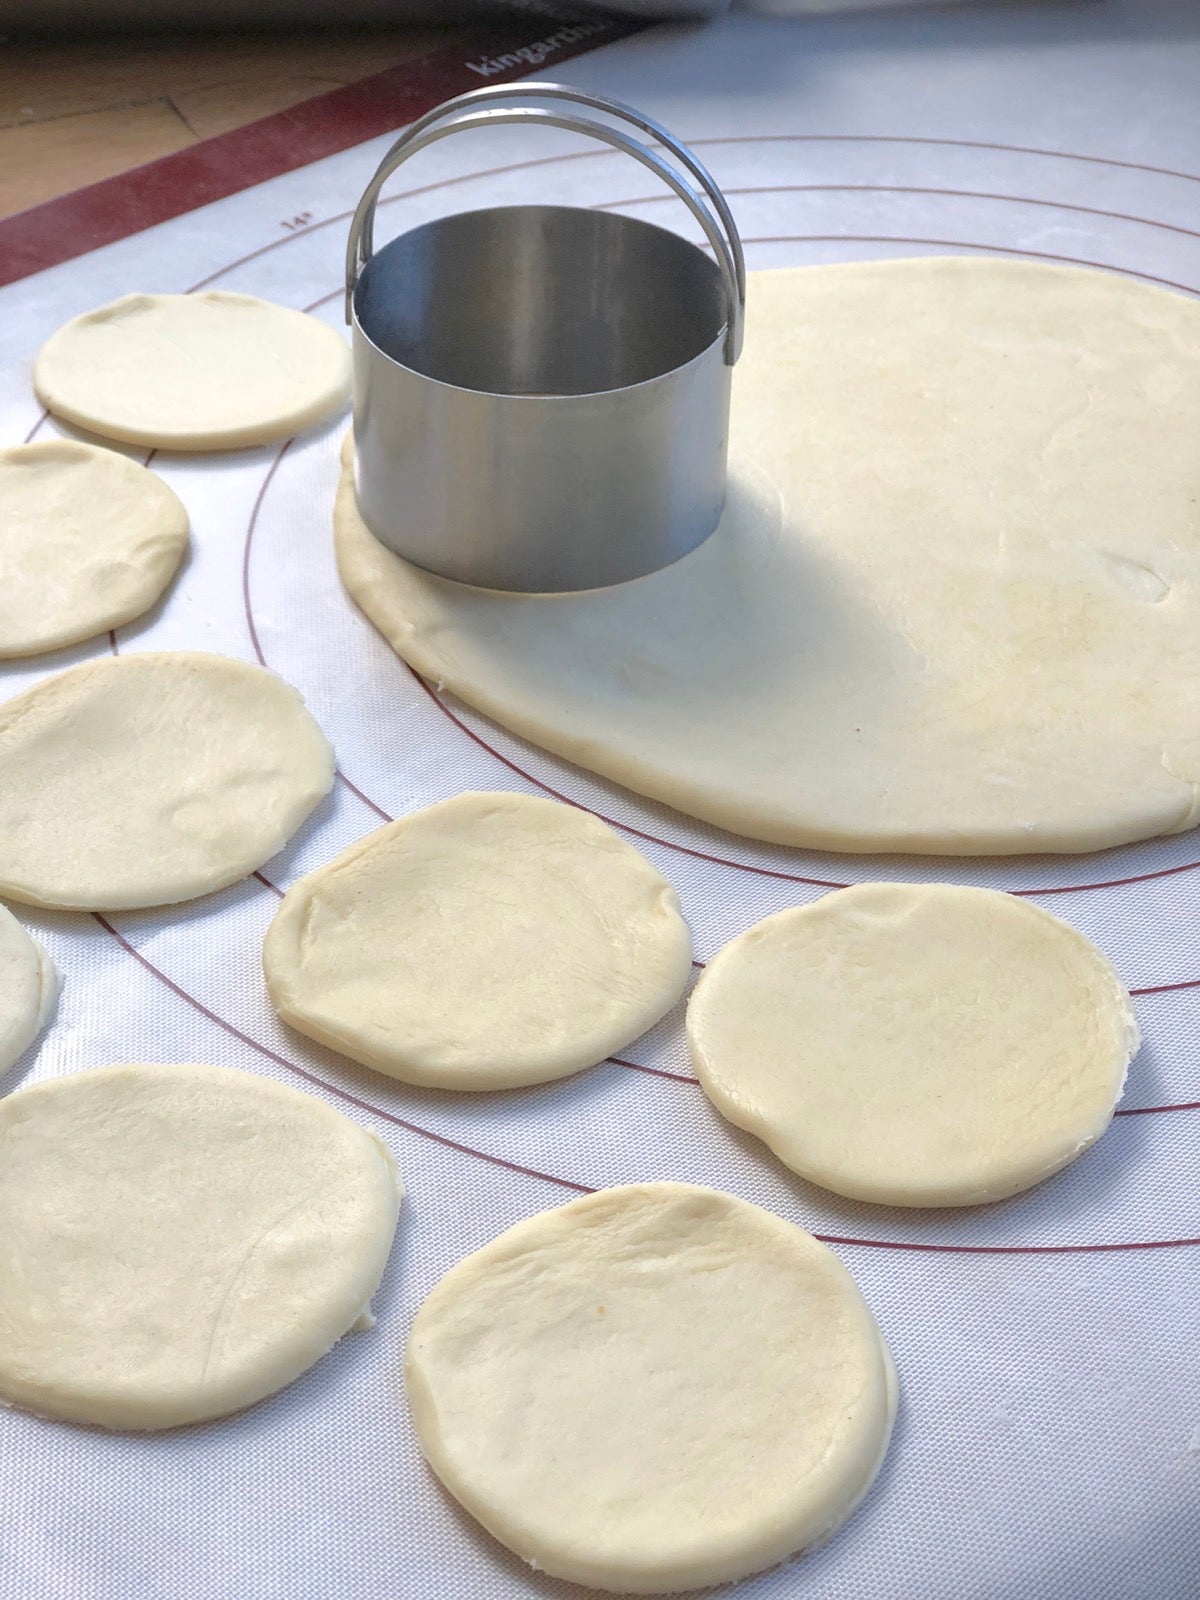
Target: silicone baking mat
{"points": [[1048, 1444]]}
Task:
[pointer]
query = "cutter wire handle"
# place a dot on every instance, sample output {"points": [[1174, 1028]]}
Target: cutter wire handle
{"points": [[476, 109], [618, 110]]}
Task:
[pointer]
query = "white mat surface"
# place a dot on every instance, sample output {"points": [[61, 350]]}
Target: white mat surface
{"points": [[1049, 1437]]}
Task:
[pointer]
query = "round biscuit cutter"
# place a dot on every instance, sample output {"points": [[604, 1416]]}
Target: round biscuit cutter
{"points": [[541, 392]]}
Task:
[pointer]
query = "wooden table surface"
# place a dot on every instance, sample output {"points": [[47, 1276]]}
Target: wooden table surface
{"points": [[73, 112]]}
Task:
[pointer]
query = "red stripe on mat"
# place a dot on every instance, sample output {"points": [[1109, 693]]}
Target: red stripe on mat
{"points": [[113, 209]]}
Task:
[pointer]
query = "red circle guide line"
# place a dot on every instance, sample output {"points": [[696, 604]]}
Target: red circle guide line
{"points": [[36, 429], [735, 139], [1005, 1249], [654, 1072], [958, 144], [968, 244], [470, 732], [626, 827], [1167, 988], [571, 1183], [322, 1083], [258, 500], [686, 1077], [898, 188], [726, 861], [1153, 1111]]}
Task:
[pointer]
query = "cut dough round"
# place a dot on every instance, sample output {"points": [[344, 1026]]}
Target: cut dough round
{"points": [[180, 1241], [88, 540], [212, 371], [489, 941], [29, 986], [954, 484], [651, 1389], [915, 1044], [145, 779]]}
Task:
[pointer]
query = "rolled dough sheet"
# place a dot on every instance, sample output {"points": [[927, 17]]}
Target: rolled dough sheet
{"points": [[654, 1388], [29, 986], [212, 371], [180, 1241], [915, 1044], [953, 605], [488, 941], [88, 540], [146, 779]]}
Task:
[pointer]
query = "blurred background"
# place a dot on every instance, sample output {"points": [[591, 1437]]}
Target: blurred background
{"points": [[93, 88]]}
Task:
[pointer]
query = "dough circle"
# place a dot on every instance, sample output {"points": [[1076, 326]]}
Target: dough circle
{"points": [[211, 371], [654, 1388], [954, 484], [180, 1241], [88, 540], [915, 1044], [488, 941], [146, 779], [29, 986]]}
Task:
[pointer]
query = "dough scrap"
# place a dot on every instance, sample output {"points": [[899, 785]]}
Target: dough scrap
{"points": [[88, 540], [180, 1241], [955, 484], [29, 986], [915, 1044], [145, 779], [489, 941], [654, 1388], [211, 371]]}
